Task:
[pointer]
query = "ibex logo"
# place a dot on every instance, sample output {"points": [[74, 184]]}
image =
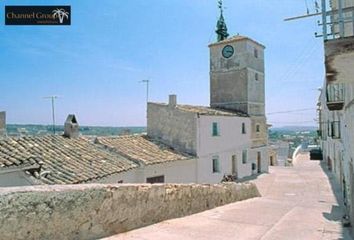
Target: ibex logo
{"points": [[61, 14], [37, 15]]}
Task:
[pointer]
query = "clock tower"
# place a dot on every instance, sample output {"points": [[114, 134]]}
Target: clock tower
{"points": [[237, 78], [237, 75]]}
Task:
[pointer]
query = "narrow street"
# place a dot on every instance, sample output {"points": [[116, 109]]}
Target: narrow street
{"points": [[297, 203]]}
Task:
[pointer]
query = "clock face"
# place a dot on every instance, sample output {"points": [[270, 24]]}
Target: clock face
{"points": [[227, 51]]}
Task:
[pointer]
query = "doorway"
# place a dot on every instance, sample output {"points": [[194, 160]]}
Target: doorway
{"points": [[234, 165], [259, 158]]}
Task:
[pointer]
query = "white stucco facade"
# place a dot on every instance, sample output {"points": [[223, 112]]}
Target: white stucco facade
{"points": [[228, 152], [230, 142], [183, 171], [336, 106]]}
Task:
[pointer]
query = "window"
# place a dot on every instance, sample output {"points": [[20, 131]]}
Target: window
{"points": [[233, 164], [244, 156], [158, 179], [256, 77], [215, 129], [216, 164], [243, 128], [335, 127], [255, 53], [257, 128]]}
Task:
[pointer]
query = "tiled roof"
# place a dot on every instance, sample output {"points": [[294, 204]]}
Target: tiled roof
{"points": [[236, 38], [203, 110], [63, 160], [140, 148]]}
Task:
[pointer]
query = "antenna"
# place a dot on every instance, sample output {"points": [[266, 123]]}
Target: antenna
{"points": [[147, 88], [340, 11], [307, 8], [53, 97]]}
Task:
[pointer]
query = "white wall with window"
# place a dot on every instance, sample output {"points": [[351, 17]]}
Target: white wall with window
{"points": [[171, 172], [216, 164], [243, 128], [215, 130], [221, 154]]}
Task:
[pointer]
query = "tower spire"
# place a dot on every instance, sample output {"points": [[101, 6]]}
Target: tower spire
{"points": [[221, 28]]}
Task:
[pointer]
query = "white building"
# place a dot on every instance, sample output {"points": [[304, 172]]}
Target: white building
{"points": [[335, 107], [158, 163], [220, 139], [231, 136]]}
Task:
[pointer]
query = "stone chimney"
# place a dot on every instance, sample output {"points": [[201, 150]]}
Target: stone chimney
{"points": [[2, 124], [172, 101], [71, 127]]}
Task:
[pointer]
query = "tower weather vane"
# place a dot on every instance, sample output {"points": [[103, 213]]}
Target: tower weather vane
{"points": [[221, 28], [220, 5]]}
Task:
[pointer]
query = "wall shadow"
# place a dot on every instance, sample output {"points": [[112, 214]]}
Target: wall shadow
{"points": [[337, 212]]}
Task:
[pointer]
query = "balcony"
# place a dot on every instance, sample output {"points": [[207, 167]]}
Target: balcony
{"points": [[335, 96]]}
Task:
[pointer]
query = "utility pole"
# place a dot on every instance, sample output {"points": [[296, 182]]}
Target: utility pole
{"points": [[53, 110], [147, 93], [147, 89], [338, 11]]}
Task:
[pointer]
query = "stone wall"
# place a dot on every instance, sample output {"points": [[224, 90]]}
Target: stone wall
{"points": [[228, 89], [173, 127], [93, 211]]}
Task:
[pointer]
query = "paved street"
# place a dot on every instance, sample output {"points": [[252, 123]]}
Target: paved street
{"points": [[297, 203]]}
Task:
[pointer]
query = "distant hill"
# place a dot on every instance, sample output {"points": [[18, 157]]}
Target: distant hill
{"points": [[295, 128], [30, 129]]}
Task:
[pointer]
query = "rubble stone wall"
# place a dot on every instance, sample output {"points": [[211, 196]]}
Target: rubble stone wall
{"points": [[173, 127], [92, 211]]}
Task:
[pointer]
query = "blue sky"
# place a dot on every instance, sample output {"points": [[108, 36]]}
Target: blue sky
{"points": [[95, 64]]}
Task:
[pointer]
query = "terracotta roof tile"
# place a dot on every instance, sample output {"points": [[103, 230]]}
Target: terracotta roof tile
{"points": [[203, 110], [236, 38], [66, 161], [140, 148]]}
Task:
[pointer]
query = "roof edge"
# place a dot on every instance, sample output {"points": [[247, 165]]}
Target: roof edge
{"points": [[236, 38]]}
